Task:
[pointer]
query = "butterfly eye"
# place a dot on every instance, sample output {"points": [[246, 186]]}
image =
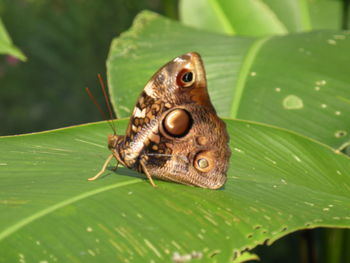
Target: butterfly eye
{"points": [[185, 78], [177, 123], [204, 161]]}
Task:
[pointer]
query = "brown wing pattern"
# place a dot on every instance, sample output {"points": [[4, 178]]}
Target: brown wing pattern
{"points": [[174, 129]]}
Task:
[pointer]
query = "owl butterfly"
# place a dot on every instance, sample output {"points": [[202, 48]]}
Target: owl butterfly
{"points": [[174, 133]]}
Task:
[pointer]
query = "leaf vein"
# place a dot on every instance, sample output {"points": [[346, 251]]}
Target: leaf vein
{"points": [[41, 213]]}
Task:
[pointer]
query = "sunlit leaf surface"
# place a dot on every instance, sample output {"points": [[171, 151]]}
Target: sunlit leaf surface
{"points": [[278, 182], [262, 17]]}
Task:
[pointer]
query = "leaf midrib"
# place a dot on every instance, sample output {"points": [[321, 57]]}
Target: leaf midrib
{"points": [[25, 221], [244, 73], [305, 15], [223, 17]]}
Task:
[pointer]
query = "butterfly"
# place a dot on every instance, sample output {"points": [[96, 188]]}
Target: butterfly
{"points": [[174, 133]]}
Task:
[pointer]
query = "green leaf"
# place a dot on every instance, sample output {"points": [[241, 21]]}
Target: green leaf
{"points": [[261, 17], [6, 46], [297, 81], [232, 17], [327, 14], [300, 82], [153, 41], [278, 182]]}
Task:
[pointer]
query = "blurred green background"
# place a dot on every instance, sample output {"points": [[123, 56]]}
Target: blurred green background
{"points": [[66, 43]]}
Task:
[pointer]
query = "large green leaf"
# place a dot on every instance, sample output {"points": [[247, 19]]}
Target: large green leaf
{"points": [[278, 182], [298, 81], [232, 17], [153, 41], [301, 82], [261, 17], [6, 46]]}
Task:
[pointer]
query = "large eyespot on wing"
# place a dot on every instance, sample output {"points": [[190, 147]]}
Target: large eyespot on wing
{"points": [[204, 161], [185, 78], [176, 123]]}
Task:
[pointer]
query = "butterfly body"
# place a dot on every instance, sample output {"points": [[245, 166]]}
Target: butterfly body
{"points": [[174, 132]]}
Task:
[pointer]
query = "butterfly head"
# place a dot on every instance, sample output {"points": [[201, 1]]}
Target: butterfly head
{"points": [[113, 140]]}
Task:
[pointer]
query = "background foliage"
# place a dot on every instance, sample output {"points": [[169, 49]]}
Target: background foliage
{"points": [[66, 42]]}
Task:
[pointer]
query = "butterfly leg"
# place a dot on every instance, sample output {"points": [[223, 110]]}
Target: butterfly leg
{"points": [[342, 147], [104, 167], [147, 173], [116, 167]]}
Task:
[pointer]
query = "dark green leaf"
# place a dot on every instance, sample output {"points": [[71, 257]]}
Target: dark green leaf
{"points": [[278, 182]]}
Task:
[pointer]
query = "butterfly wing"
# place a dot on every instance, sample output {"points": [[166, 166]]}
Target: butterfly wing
{"points": [[174, 128]]}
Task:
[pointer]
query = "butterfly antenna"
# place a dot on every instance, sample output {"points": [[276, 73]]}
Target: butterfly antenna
{"points": [[111, 115], [99, 108]]}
